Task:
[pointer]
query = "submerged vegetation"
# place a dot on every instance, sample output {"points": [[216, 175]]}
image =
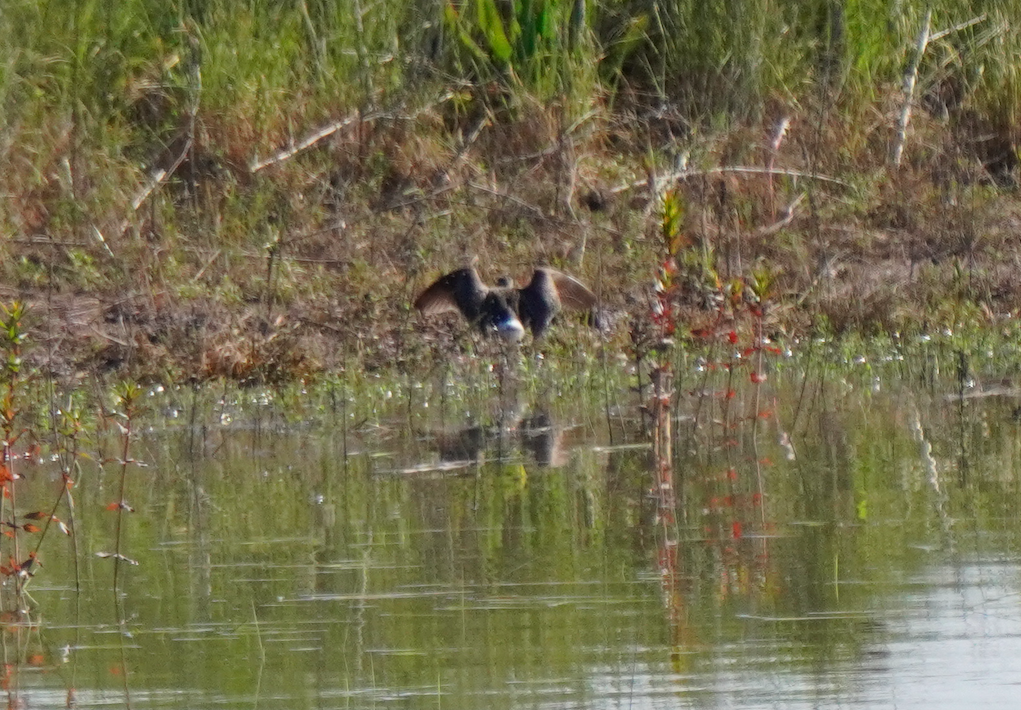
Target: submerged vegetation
{"points": [[255, 191]]}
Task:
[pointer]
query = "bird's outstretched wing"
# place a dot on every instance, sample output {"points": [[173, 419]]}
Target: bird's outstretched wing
{"points": [[459, 290], [573, 293]]}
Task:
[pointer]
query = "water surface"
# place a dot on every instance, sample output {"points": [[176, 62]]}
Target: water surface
{"points": [[814, 542]]}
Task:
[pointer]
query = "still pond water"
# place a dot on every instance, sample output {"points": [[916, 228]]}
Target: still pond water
{"points": [[816, 541]]}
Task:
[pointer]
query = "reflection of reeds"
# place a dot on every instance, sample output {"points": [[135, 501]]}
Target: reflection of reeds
{"points": [[662, 452], [67, 431], [21, 567], [662, 441], [666, 505], [13, 336], [127, 398]]}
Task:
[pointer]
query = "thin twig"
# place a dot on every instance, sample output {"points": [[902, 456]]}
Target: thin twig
{"points": [[43, 239], [820, 274], [510, 198], [484, 122], [779, 131], [786, 218], [160, 176], [107, 336], [214, 257], [550, 149]]}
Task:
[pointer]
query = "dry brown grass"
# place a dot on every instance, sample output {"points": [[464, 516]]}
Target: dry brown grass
{"points": [[311, 263]]}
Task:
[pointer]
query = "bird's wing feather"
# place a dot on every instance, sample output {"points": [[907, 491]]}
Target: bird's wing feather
{"points": [[456, 291], [573, 293], [438, 298]]}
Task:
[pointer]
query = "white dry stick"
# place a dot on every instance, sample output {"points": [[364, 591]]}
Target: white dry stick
{"points": [[102, 241], [910, 79], [156, 178], [331, 128], [786, 217], [309, 141], [774, 147], [958, 27], [684, 173], [778, 135]]}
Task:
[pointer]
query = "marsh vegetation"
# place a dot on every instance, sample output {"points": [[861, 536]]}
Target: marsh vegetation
{"points": [[239, 468], [256, 191], [825, 525]]}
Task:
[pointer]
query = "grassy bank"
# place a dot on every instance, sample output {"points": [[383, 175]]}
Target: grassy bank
{"points": [[256, 190]]}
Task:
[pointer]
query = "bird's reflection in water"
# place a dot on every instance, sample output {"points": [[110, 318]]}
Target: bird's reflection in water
{"points": [[543, 441], [535, 437]]}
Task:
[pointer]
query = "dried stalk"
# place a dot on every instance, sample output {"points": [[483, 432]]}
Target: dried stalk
{"points": [[910, 79], [309, 141], [328, 130], [958, 27], [745, 169]]}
